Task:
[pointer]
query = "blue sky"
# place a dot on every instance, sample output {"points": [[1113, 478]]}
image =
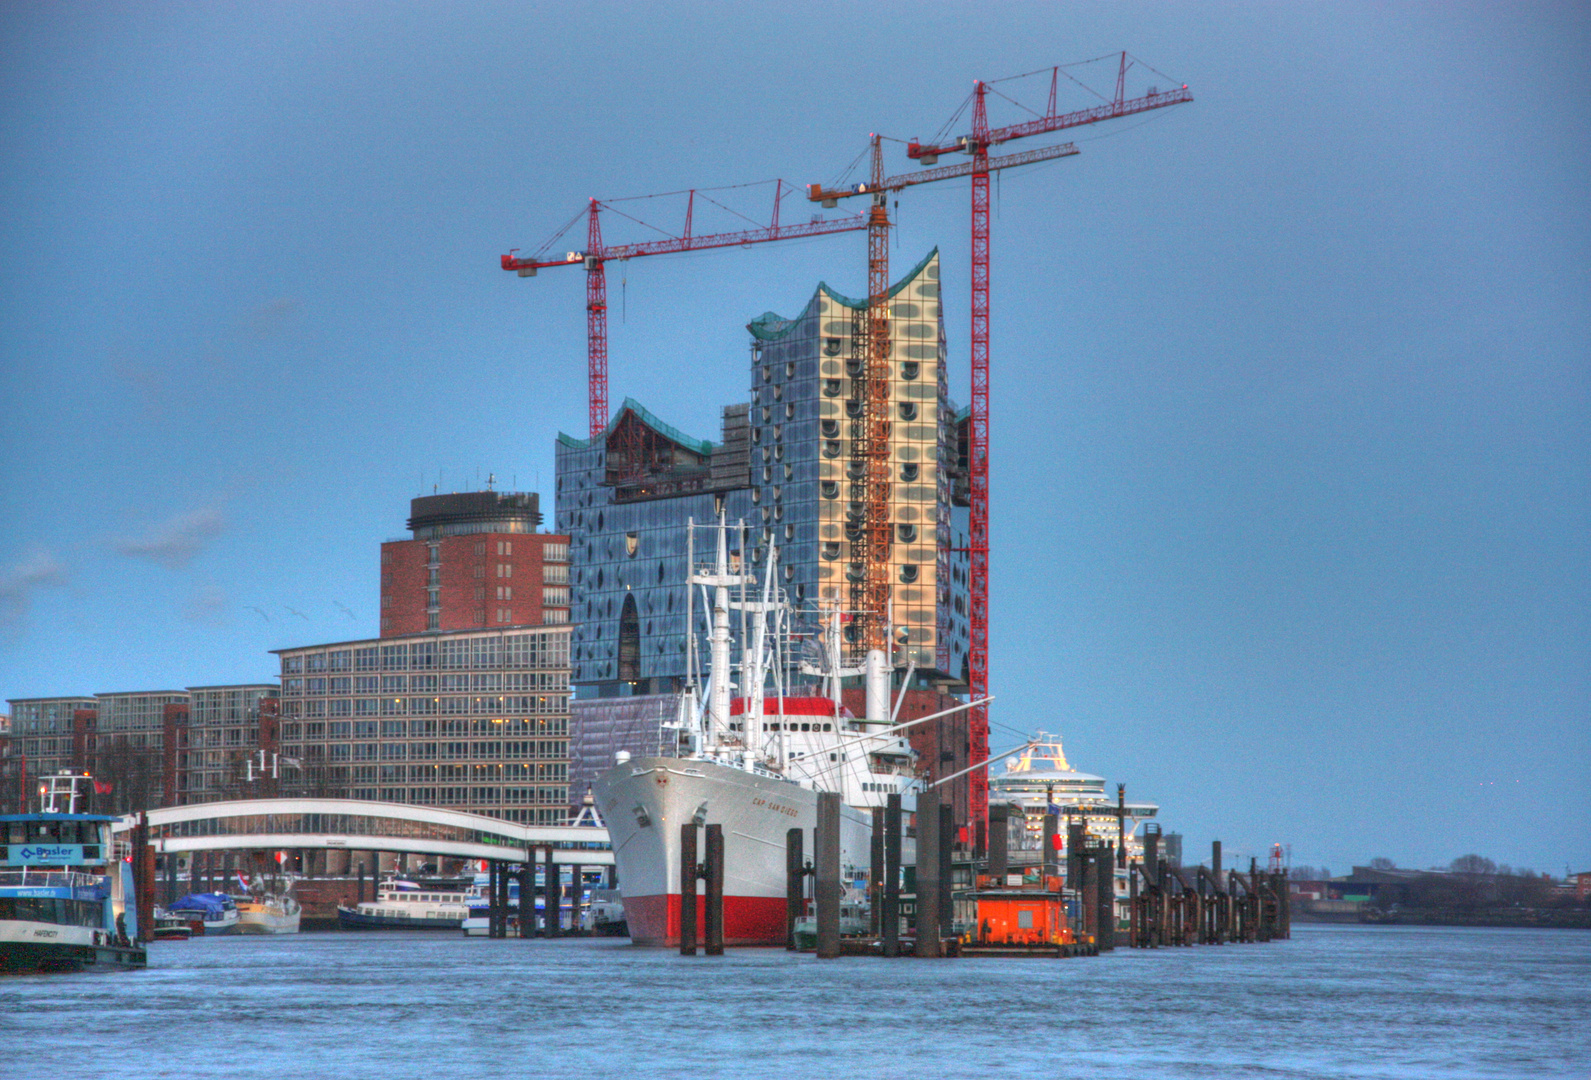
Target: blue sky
{"points": [[1291, 385]]}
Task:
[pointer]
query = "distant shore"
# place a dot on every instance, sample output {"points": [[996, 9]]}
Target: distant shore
{"points": [[1554, 918]]}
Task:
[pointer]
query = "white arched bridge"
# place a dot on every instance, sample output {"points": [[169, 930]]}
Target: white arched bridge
{"points": [[359, 825]]}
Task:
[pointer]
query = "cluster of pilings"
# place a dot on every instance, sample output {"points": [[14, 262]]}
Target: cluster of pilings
{"points": [[501, 919], [1173, 905]]}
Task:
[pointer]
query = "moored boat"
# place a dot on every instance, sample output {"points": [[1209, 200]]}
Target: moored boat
{"points": [[407, 905], [268, 913], [207, 914], [66, 896], [755, 765]]}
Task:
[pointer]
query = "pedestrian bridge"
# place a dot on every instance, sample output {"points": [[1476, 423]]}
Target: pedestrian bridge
{"points": [[359, 825]]}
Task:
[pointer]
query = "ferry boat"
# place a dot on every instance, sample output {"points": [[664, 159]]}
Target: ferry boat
{"points": [[407, 905], [754, 764], [66, 895], [207, 914], [605, 915], [268, 913]]}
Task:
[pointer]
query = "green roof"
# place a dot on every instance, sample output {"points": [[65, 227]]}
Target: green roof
{"points": [[668, 431], [769, 326]]}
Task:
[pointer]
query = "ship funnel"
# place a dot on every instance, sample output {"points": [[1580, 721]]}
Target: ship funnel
{"points": [[877, 688]]}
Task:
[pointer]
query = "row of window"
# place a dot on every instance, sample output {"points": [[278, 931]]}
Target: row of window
{"points": [[528, 650]]}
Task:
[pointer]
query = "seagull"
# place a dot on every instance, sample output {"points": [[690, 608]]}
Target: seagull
{"points": [[261, 612], [345, 611], [295, 611]]}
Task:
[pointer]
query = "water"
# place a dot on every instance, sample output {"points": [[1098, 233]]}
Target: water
{"points": [[1350, 1001]]}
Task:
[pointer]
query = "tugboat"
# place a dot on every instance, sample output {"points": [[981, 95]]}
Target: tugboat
{"points": [[66, 896]]}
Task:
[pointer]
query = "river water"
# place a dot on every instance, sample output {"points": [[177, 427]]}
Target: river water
{"points": [[1348, 1001]]}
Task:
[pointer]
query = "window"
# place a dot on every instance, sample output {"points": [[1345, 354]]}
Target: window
{"points": [[909, 472], [908, 410], [505, 547]]}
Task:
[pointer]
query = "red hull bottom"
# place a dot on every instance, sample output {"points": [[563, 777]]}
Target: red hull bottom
{"points": [[748, 920]]}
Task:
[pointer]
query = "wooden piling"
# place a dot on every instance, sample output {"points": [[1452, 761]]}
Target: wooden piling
{"points": [[999, 843], [687, 889], [795, 873], [947, 892], [875, 874], [552, 903], [928, 884], [891, 915], [826, 871], [715, 890]]}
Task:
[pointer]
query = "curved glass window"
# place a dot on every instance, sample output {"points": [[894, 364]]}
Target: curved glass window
{"points": [[908, 472], [854, 367], [832, 387], [908, 410], [907, 533], [908, 573], [853, 409], [910, 369], [831, 550], [831, 448], [830, 429]]}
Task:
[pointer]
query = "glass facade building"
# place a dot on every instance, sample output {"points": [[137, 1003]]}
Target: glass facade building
{"points": [[785, 468]]}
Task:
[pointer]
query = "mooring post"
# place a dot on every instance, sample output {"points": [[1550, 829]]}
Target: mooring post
{"points": [[999, 843], [795, 873], [1076, 845], [687, 889], [359, 897], [552, 901], [875, 874], [928, 944], [492, 901], [715, 890], [1106, 862], [1048, 864], [826, 868], [947, 890], [171, 878], [527, 897], [1086, 882], [891, 927]]}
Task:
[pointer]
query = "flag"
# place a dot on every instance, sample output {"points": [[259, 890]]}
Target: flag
{"points": [[103, 788], [243, 882]]}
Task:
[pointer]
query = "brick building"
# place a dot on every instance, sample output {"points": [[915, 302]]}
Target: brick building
{"points": [[474, 560]]}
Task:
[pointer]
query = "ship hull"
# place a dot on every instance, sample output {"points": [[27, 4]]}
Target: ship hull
{"points": [[645, 800], [27, 946]]}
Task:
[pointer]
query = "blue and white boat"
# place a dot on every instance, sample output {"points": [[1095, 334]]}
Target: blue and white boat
{"points": [[207, 913], [66, 896]]}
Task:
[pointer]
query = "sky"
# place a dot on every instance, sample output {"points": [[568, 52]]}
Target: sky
{"points": [[1291, 386]]}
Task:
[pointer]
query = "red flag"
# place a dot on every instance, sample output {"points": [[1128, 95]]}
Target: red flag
{"points": [[102, 788]]}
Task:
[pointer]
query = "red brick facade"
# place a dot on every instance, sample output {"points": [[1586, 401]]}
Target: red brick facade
{"points": [[481, 580]]}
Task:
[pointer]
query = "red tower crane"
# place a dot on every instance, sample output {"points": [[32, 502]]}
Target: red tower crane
{"points": [[597, 255], [977, 144], [870, 596]]}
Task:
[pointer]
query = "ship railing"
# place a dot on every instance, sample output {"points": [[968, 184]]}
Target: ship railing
{"points": [[28, 878]]}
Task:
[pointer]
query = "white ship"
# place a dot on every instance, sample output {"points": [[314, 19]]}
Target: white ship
{"points": [[755, 765], [1039, 777]]}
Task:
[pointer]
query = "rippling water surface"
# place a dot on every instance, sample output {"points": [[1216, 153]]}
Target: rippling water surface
{"points": [[1333, 1002]]}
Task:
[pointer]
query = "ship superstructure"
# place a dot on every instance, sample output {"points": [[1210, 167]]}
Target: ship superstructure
{"points": [[752, 756]]}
